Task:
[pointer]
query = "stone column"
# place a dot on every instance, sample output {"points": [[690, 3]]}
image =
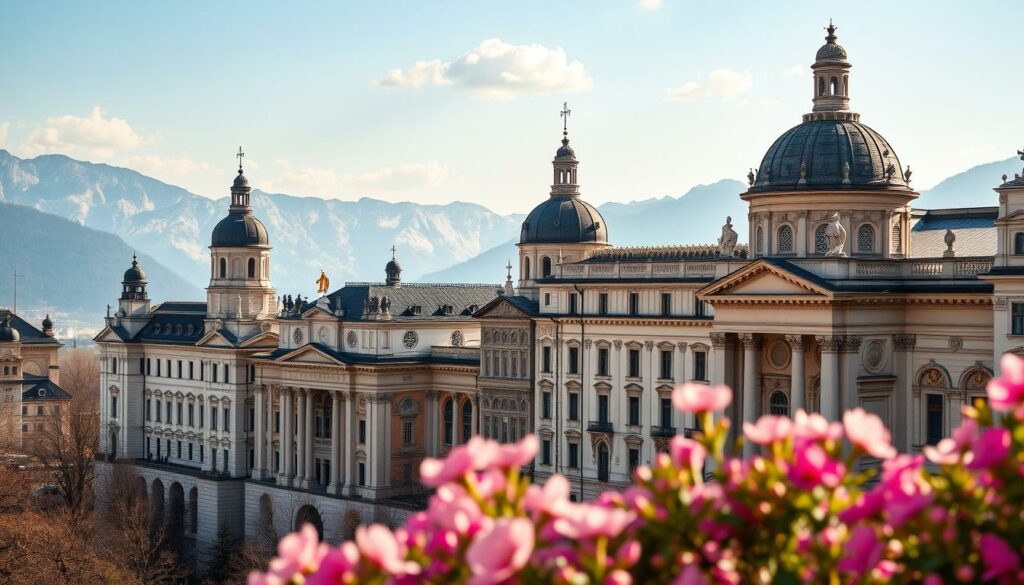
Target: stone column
{"points": [[475, 405], [829, 400], [310, 477], [351, 440], [259, 469], [456, 418], [851, 365], [751, 391], [797, 376], [384, 423], [680, 374], [433, 438], [717, 361], [300, 439], [334, 487], [286, 468], [268, 429], [903, 362]]}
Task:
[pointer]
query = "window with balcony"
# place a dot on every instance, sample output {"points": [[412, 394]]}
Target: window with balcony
{"points": [[666, 412], [602, 408]]}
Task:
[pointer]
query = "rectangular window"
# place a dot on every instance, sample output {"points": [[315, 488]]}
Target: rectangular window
{"points": [[634, 410], [202, 412], [159, 412], [149, 448], [634, 363], [191, 370], [700, 362], [602, 361], [634, 459], [699, 308], [1017, 319], [142, 367], [574, 360], [225, 460], [574, 406], [407, 432], [666, 364], [202, 372], [573, 304], [227, 419], [547, 299], [213, 418], [252, 459], [190, 451], [179, 408], [277, 421], [149, 409], [227, 374], [215, 367], [113, 406], [545, 452], [634, 303], [574, 455], [168, 413], [545, 353], [602, 304], [252, 419], [666, 304], [602, 408], [179, 449], [202, 452], [179, 368], [362, 432], [666, 412], [545, 404], [935, 418], [158, 368], [362, 473]]}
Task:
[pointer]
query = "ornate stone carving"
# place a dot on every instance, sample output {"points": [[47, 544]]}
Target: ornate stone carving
{"points": [[796, 342], [681, 346], [829, 343], [587, 343], [727, 241], [956, 343], [873, 358], [949, 238], [718, 339], [618, 343], [750, 340], [649, 345], [904, 342], [835, 237], [851, 343], [999, 303]]}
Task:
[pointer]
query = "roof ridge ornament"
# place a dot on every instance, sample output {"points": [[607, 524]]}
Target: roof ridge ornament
{"points": [[831, 28]]}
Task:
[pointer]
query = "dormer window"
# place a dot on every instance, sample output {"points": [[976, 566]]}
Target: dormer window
{"points": [[473, 309], [415, 310], [446, 310]]}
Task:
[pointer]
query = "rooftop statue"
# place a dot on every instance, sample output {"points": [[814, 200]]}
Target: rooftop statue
{"points": [[727, 241], [835, 237]]}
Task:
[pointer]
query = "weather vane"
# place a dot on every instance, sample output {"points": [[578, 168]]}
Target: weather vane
{"points": [[239, 157], [565, 118]]}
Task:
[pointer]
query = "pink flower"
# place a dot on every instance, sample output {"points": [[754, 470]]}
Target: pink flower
{"points": [[691, 575], [768, 429], [584, 521], [517, 454], [379, 545], [338, 566], [499, 553], [618, 577], [868, 432], [299, 553], [1006, 392], [552, 498], [691, 397], [945, 452], [814, 427], [863, 551], [990, 449], [998, 557], [436, 472], [452, 508], [687, 453], [813, 467]]}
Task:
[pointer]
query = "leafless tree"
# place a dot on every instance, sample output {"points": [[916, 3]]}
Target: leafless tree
{"points": [[80, 371]]}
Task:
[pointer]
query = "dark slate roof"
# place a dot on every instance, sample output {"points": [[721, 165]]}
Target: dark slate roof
{"points": [[564, 219], [356, 358], [464, 300], [28, 332], [175, 323], [974, 229], [662, 253], [240, 229], [824, 146], [41, 388], [527, 306]]}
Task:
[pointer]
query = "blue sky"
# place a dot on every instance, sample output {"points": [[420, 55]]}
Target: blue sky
{"points": [[439, 101]]}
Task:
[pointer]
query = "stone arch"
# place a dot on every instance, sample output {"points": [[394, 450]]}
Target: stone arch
{"points": [[784, 241], [308, 514], [545, 264], [975, 378], [778, 403], [252, 268], [760, 240], [932, 375], [223, 267], [866, 238], [176, 517], [193, 510], [157, 503], [604, 460], [526, 268]]}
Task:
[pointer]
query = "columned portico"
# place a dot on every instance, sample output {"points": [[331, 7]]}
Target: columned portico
{"points": [[829, 399], [751, 387], [797, 380], [287, 437]]}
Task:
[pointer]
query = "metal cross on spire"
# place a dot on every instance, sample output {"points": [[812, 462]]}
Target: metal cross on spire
{"points": [[393, 250], [239, 156], [565, 118]]}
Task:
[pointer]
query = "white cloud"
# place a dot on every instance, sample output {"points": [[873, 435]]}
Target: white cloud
{"points": [[93, 135], [158, 166], [721, 83], [497, 70], [794, 71], [651, 5], [326, 182], [5, 130]]}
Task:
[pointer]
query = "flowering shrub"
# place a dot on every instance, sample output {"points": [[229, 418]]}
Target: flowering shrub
{"points": [[801, 510]]}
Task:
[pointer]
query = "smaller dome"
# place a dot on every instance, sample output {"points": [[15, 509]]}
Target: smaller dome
{"points": [[47, 322], [565, 151], [564, 219], [8, 334], [240, 181], [392, 266], [240, 230], [831, 51], [134, 275]]}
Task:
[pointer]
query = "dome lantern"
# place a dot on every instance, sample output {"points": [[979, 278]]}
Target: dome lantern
{"points": [[133, 284], [393, 271], [831, 80], [240, 228]]}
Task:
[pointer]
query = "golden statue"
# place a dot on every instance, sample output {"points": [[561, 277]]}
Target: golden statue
{"points": [[323, 283]]}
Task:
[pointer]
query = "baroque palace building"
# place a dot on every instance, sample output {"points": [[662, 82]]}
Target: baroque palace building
{"points": [[252, 413]]}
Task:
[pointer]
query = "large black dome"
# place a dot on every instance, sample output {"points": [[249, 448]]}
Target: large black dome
{"points": [[827, 154], [135, 274], [240, 230], [564, 219]]}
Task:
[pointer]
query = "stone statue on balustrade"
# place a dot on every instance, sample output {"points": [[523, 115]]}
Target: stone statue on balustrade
{"points": [[727, 241], [835, 237]]}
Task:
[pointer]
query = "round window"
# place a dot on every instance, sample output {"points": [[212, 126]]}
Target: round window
{"points": [[778, 355], [410, 339]]}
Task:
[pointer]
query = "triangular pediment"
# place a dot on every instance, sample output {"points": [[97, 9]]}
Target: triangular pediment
{"points": [[308, 354], [215, 339], [268, 339], [765, 279], [499, 308], [107, 335]]}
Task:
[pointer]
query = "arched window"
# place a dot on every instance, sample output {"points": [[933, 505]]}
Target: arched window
{"points": [[223, 268], [760, 241], [252, 268], [785, 241], [1018, 243], [449, 420], [545, 264], [821, 86], [835, 86], [602, 462], [820, 243], [897, 238], [467, 420], [526, 268], [866, 239], [778, 403]]}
